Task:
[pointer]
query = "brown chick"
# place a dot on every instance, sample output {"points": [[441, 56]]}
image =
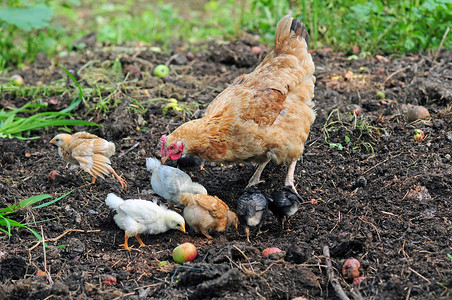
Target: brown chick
{"points": [[90, 152], [265, 115], [206, 213]]}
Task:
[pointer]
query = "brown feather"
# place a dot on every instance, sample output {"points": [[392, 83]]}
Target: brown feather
{"points": [[264, 114]]}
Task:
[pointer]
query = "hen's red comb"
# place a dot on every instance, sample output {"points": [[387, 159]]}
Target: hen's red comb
{"points": [[162, 142]]}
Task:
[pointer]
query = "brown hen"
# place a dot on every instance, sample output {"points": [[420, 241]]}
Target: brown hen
{"points": [[265, 115], [89, 151], [207, 214]]}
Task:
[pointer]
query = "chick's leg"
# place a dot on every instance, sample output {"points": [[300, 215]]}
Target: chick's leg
{"points": [[206, 235], [121, 180], [247, 231], [140, 241], [256, 179], [126, 245], [290, 177]]}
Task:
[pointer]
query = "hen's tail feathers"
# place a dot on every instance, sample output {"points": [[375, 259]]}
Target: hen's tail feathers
{"points": [[113, 201], [291, 34], [186, 199]]}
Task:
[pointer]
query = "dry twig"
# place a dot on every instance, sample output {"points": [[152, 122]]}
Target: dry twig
{"points": [[441, 44], [49, 277], [334, 281], [63, 234]]}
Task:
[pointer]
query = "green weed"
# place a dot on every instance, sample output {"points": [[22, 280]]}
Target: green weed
{"points": [[350, 130], [10, 223], [14, 126], [376, 27]]}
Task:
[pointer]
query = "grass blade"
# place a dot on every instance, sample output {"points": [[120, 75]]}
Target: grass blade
{"points": [[53, 201]]}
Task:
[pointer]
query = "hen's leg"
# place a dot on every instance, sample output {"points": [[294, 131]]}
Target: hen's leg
{"points": [[121, 180], [256, 179], [290, 176], [140, 241], [126, 245]]}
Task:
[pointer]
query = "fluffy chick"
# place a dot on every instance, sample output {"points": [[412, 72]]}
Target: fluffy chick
{"points": [[189, 163], [137, 216], [88, 151], [252, 209], [206, 213], [169, 182], [284, 203]]}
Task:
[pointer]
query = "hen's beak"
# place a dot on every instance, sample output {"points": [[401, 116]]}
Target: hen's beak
{"points": [[52, 141], [163, 160], [182, 228]]}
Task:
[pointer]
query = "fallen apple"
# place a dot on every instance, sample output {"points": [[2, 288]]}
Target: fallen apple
{"points": [[184, 252], [161, 71], [256, 50], [269, 251], [350, 269], [17, 80]]}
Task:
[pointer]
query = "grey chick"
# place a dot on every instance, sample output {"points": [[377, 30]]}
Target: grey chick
{"points": [[252, 209], [284, 203], [169, 182]]}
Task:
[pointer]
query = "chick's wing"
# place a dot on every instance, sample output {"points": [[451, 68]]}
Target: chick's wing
{"points": [[213, 205], [142, 211], [173, 177]]}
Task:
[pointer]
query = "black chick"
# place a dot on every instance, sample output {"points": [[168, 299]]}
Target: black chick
{"points": [[284, 203], [252, 209], [190, 163]]}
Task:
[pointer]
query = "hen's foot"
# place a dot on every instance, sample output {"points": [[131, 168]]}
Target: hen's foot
{"points": [[257, 174]]}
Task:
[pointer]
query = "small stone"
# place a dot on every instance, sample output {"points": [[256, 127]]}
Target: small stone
{"points": [[417, 113], [59, 288]]}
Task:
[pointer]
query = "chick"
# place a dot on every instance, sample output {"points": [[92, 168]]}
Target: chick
{"points": [[189, 162], [284, 203], [137, 216], [252, 209], [207, 214], [90, 152], [169, 182]]}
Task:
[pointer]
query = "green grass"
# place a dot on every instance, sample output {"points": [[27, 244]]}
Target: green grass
{"points": [[348, 131], [376, 27], [13, 125], [8, 223]]}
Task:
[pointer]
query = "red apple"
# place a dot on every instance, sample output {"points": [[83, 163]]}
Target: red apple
{"points": [[184, 252]]}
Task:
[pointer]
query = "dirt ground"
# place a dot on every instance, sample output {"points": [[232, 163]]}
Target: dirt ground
{"points": [[384, 198]]}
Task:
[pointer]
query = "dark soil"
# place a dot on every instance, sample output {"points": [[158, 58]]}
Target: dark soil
{"points": [[384, 199]]}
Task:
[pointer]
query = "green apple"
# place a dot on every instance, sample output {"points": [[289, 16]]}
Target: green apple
{"points": [[161, 71]]}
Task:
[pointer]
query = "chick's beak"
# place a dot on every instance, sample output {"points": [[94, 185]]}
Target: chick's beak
{"points": [[52, 141], [163, 160], [182, 228]]}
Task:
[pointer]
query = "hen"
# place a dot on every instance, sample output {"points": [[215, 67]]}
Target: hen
{"points": [[89, 151], [207, 214], [283, 204], [265, 115], [169, 182], [252, 209], [137, 216]]}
